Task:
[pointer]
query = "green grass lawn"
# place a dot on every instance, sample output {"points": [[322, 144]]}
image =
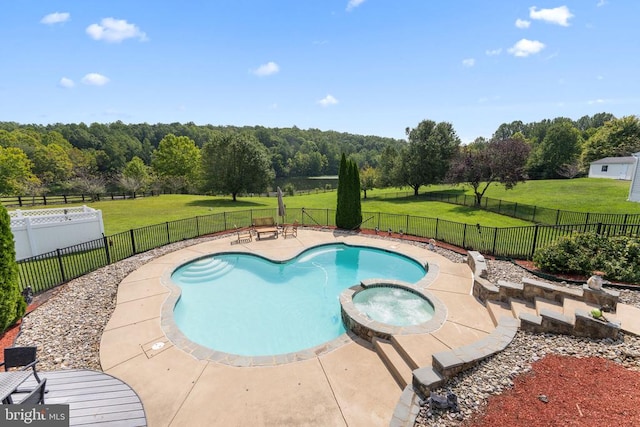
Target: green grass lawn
{"points": [[582, 195], [599, 195], [123, 215]]}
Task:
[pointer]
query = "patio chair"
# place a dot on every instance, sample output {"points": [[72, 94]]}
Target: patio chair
{"points": [[21, 357], [36, 396], [291, 230]]}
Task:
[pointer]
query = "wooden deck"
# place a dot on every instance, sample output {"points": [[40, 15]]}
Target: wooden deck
{"points": [[94, 398]]}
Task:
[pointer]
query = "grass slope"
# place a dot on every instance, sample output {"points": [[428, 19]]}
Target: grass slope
{"points": [[599, 195]]}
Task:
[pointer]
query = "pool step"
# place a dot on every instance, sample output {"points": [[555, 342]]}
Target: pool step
{"points": [[393, 360]]}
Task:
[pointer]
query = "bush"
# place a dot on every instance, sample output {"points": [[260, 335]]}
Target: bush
{"points": [[289, 189], [12, 305], [583, 253]]}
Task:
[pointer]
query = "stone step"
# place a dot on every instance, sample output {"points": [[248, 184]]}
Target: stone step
{"points": [[570, 306], [519, 306], [547, 304], [394, 361], [498, 309]]}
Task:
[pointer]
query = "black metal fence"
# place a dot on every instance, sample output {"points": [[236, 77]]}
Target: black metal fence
{"points": [[48, 270], [533, 213]]}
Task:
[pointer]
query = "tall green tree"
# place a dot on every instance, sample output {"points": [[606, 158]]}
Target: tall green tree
{"points": [[561, 145], [348, 209], [368, 179], [177, 162], [617, 138], [426, 159], [12, 305], [16, 176], [234, 164], [134, 176]]}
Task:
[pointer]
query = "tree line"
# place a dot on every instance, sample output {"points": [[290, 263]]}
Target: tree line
{"points": [[41, 159]]}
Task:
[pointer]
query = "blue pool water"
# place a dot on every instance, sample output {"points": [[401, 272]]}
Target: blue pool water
{"points": [[247, 305]]}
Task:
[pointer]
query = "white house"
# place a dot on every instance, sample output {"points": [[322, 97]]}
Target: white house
{"points": [[614, 168], [634, 189]]}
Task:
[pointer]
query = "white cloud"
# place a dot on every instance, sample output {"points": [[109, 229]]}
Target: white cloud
{"points": [[353, 4], [95, 79], [66, 82], [526, 47], [115, 30], [597, 101], [522, 23], [267, 69], [328, 100], [557, 15], [600, 77], [493, 52], [55, 18], [602, 3], [469, 62]]}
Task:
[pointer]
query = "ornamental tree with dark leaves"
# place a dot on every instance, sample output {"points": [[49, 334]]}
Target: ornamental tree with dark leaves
{"points": [[481, 164]]}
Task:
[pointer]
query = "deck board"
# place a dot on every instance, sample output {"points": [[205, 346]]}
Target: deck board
{"points": [[94, 398]]}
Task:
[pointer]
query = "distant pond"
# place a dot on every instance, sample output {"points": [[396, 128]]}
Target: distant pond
{"points": [[308, 183]]}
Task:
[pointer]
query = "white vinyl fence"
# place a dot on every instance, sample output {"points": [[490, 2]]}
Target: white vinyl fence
{"points": [[44, 230]]}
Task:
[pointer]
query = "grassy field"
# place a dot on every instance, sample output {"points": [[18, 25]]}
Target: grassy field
{"points": [[600, 195], [582, 195], [123, 215]]}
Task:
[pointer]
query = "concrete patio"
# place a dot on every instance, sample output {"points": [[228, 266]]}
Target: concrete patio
{"points": [[347, 385]]}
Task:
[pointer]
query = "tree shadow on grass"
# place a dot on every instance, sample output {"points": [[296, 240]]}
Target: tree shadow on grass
{"points": [[225, 203]]}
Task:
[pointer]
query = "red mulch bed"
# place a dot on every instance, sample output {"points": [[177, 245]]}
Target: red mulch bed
{"points": [[579, 392], [8, 338]]}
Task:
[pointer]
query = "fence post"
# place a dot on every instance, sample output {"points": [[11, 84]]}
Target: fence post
{"points": [[535, 240], [464, 237], [44, 200], [557, 216], [197, 226], [224, 216], [586, 220], [64, 279], [20, 202], [65, 198], [133, 242], [437, 222], [168, 234], [599, 229], [106, 249], [406, 230], [495, 238]]}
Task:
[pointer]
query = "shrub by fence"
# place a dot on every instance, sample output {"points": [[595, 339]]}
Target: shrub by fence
{"points": [[48, 270]]}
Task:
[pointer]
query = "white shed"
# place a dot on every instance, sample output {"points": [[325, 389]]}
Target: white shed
{"points": [[634, 189], [613, 167]]}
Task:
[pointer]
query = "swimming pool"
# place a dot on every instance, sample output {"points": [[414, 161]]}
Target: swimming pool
{"points": [[247, 305]]}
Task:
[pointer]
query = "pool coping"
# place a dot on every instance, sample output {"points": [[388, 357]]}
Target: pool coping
{"points": [[200, 352]]}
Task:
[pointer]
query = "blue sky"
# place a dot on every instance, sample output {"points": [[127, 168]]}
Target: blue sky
{"points": [[369, 67]]}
